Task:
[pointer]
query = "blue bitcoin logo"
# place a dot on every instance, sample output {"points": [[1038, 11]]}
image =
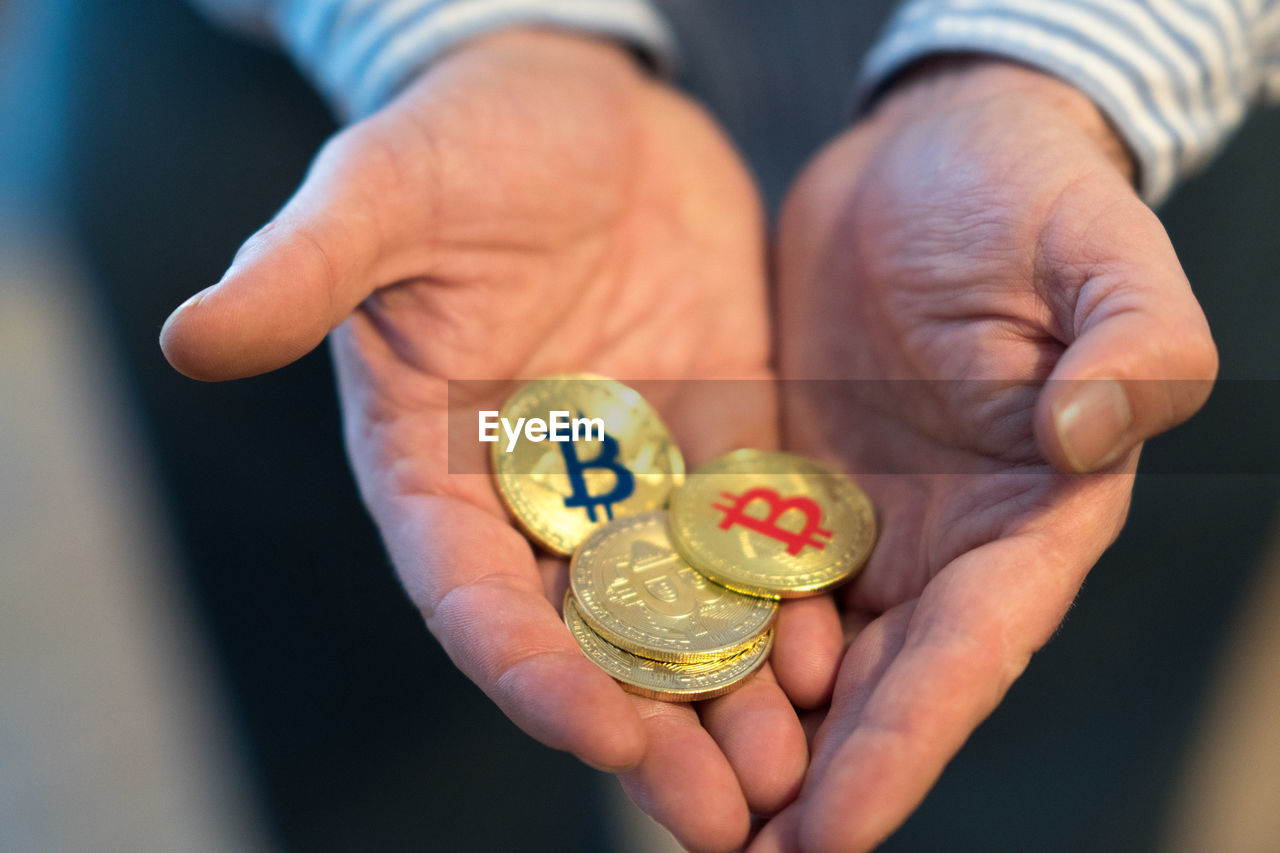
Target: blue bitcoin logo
{"points": [[606, 459]]}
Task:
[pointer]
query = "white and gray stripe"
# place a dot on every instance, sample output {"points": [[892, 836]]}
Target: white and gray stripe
{"points": [[360, 53], [1174, 76]]}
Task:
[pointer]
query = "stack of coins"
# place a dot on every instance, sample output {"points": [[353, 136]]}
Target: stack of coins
{"points": [[676, 606], [648, 619]]}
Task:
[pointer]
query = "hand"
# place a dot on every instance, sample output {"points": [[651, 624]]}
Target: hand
{"points": [[532, 205], [976, 236]]}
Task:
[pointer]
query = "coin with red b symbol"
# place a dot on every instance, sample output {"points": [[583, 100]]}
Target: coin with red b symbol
{"points": [[772, 524]]}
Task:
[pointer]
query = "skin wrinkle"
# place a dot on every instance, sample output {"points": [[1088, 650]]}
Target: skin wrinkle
{"points": [[1097, 303], [884, 413], [529, 657], [604, 266], [1033, 493], [957, 368], [981, 230], [435, 608], [935, 556], [412, 481], [1020, 484], [387, 173], [426, 397], [1013, 431], [331, 278], [462, 338], [965, 531], [934, 434], [970, 306], [399, 346], [602, 261], [1049, 263], [408, 478], [1054, 263]]}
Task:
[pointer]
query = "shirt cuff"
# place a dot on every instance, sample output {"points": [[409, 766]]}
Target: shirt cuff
{"points": [[1172, 79], [361, 53]]}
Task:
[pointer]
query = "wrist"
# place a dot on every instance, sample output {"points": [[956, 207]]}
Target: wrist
{"points": [[588, 52], [958, 81]]}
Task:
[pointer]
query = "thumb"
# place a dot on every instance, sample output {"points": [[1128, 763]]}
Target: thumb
{"points": [[1142, 359], [295, 279]]}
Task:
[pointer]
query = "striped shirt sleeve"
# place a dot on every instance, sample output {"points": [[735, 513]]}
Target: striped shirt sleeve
{"points": [[360, 53], [1175, 77]]}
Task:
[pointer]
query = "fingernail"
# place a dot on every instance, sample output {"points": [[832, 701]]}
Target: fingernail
{"points": [[1091, 423]]}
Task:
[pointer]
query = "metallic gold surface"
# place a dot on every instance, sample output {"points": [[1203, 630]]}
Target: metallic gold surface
{"points": [[638, 593], [669, 682], [560, 492], [772, 524]]}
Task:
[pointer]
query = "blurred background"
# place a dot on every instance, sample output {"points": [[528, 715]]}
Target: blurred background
{"points": [[203, 647]]}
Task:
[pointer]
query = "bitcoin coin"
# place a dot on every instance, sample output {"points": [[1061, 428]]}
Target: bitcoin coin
{"points": [[772, 524], [670, 682], [640, 595], [559, 491]]}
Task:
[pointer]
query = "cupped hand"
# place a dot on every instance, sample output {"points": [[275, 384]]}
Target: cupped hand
{"points": [[534, 204], [995, 311]]}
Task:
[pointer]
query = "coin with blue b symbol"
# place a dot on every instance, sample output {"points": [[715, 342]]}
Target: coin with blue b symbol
{"points": [[584, 450]]}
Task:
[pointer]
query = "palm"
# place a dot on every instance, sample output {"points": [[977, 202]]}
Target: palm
{"points": [[566, 223], [606, 227], [937, 290], [534, 204], [941, 296]]}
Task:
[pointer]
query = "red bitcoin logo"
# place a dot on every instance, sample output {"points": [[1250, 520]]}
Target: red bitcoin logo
{"points": [[795, 542]]}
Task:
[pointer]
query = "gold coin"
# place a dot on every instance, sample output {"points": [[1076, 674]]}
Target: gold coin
{"points": [[559, 491], [669, 682], [640, 595], [772, 524]]}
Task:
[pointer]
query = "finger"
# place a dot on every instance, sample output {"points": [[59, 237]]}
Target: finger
{"points": [[757, 729], [684, 781], [962, 648], [301, 274], [477, 584], [873, 649], [807, 648], [1140, 358]]}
